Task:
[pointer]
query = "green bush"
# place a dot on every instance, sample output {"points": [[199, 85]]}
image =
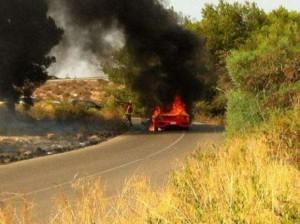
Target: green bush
{"points": [[66, 111], [266, 74], [243, 112], [264, 70], [282, 100]]}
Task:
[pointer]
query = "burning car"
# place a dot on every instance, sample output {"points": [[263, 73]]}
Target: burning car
{"points": [[176, 117]]}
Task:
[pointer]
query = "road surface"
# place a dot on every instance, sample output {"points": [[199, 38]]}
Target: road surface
{"points": [[135, 153]]}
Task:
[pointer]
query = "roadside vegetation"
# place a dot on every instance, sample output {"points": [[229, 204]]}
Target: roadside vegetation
{"points": [[76, 99], [255, 176], [66, 115]]}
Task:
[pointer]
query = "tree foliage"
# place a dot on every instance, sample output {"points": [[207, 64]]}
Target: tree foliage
{"points": [[122, 69], [270, 57], [267, 67], [225, 27]]}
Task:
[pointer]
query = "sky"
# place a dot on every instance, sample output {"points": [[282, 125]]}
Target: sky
{"points": [[193, 8]]}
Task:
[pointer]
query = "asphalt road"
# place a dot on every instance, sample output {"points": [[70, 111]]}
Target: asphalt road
{"points": [[135, 153]]}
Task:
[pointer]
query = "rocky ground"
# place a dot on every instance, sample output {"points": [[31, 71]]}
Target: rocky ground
{"points": [[24, 139]]}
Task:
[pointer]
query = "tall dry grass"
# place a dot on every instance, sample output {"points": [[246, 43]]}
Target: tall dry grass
{"points": [[10, 214]]}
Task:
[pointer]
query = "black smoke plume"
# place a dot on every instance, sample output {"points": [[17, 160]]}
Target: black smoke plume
{"points": [[27, 35], [166, 53]]}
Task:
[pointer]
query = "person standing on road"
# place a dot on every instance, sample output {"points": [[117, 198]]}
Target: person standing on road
{"points": [[128, 112]]}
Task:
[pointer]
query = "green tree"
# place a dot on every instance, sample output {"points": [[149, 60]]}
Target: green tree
{"points": [[267, 68], [270, 57], [122, 70], [225, 27]]}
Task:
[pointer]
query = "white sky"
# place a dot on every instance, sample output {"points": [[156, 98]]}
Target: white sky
{"points": [[193, 8]]}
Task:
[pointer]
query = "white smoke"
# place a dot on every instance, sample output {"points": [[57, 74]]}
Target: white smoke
{"points": [[73, 59]]}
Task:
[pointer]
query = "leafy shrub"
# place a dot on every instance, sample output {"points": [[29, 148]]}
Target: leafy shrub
{"points": [[265, 72], [287, 97], [243, 112], [118, 99], [257, 71]]}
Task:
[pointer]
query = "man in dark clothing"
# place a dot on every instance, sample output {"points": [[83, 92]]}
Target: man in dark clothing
{"points": [[128, 113]]}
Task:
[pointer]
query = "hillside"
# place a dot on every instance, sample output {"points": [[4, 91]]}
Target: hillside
{"points": [[55, 124], [93, 90]]}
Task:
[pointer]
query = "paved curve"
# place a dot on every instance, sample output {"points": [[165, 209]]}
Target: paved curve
{"points": [[135, 153]]}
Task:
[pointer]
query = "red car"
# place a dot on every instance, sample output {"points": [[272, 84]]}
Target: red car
{"points": [[168, 121]]}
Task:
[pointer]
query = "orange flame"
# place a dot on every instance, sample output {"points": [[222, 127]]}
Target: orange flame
{"points": [[178, 108]]}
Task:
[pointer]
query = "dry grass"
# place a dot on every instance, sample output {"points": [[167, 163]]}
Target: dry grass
{"points": [[241, 184], [73, 89], [11, 215]]}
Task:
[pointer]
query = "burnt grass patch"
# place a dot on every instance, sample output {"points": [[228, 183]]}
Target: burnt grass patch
{"points": [[22, 137]]}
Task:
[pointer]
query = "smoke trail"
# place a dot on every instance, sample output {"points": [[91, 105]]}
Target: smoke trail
{"points": [[75, 55], [27, 35], [166, 52]]}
